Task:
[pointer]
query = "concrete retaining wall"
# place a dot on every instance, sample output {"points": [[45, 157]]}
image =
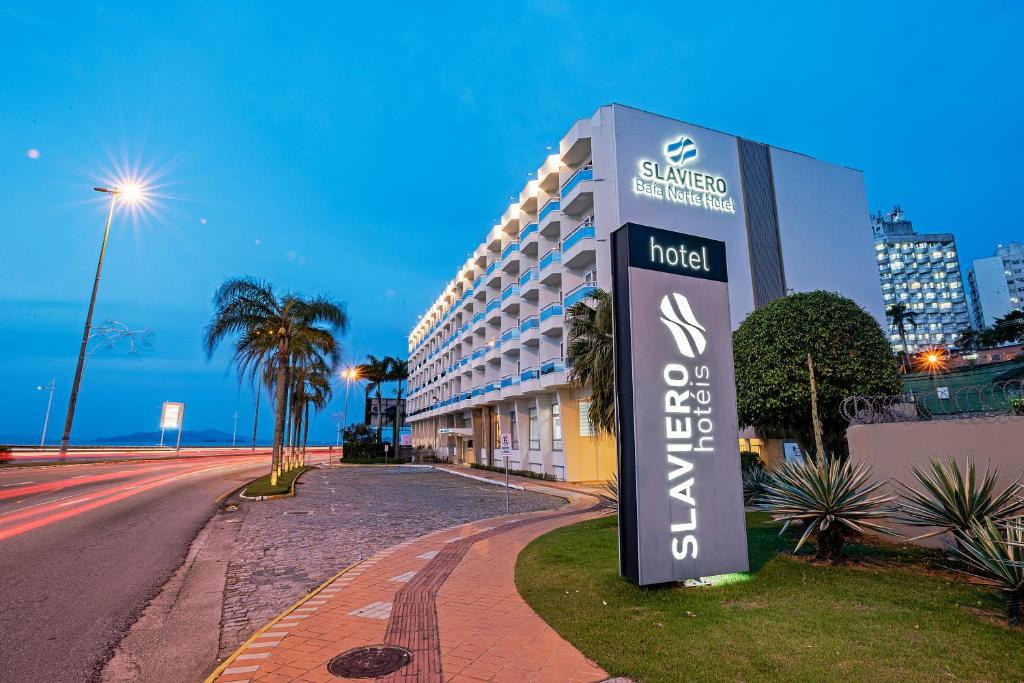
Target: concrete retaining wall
{"points": [[893, 449]]}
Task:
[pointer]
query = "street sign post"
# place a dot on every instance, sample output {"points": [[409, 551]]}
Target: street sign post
{"points": [[385, 454], [505, 449], [680, 489]]}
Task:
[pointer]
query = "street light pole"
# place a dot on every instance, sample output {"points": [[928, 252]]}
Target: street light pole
{"points": [[234, 429], [46, 420], [88, 325]]}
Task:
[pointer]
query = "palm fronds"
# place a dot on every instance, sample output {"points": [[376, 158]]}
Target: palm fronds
{"points": [[755, 481], [589, 351]]}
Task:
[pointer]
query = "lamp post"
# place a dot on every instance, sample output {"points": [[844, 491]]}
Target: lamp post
{"points": [[49, 403], [349, 375], [129, 193]]}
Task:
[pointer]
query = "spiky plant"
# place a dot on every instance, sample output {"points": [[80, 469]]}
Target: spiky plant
{"points": [[833, 500], [611, 491], [951, 501], [994, 552], [755, 480]]}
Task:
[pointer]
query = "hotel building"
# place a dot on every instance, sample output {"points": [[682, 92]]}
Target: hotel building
{"points": [[488, 357], [997, 284], [923, 272]]}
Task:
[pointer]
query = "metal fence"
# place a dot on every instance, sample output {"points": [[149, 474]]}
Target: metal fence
{"points": [[993, 399]]}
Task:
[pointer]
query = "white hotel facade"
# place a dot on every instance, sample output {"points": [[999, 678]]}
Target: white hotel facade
{"points": [[488, 357]]}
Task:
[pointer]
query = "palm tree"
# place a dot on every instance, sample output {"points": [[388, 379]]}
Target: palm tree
{"points": [[968, 339], [311, 385], [900, 316], [376, 372], [398, 372], [590, 353], [268, 329]]}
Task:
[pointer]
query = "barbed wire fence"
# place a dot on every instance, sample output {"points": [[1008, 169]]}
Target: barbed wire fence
{"points": [[994, 399]]}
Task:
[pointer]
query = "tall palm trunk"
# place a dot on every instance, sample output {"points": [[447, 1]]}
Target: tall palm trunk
{"points": [[305, 435], [280, 407], [380, 416], [256, 416], [398, 418]]}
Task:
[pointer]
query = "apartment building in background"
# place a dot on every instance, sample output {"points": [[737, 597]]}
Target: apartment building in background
{"points": [[921, 270], [997, 284], [488, 357]]}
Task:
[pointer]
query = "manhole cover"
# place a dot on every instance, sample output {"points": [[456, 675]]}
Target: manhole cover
{"points": [[369, 662]]}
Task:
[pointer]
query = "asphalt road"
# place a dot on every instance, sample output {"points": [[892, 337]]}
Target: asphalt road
{"points": [[83, 548]]}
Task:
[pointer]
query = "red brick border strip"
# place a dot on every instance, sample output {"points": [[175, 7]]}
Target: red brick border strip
{"points": [[413, 623]]}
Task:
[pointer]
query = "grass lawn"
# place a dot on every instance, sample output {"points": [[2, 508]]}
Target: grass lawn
{"points": [[891, 615], [262, 487]]}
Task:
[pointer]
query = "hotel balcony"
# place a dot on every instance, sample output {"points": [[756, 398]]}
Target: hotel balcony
{"points": [[529, 330], [529, 379], [579, 293], [466, 332], [551, 320], [478, 322], [493, 351], [493, 310], [578, 192], [552, 372], [477, 359], [492, 275], [510, 258], [579, 249], [509, 341], [479, 291], [529, 283], [509, 386], [510, 299], [550, 217], [551, 267], [528, 239]]}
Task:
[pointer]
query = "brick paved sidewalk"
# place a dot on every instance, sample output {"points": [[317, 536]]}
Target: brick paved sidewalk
{"points": [[448, 597]]}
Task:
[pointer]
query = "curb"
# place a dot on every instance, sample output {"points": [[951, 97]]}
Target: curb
{"points": [[291, 490], [273, 622]]}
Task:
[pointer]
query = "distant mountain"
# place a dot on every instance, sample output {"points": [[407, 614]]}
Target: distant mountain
{"points": [[190, 436]]}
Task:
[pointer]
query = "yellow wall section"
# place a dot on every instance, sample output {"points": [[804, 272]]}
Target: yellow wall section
{"points": [[587, 458]]}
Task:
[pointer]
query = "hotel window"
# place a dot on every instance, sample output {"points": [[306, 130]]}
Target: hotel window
{"points": [[534, 429], [753, 445], [586, 428], [513, 426], [556, 427]]}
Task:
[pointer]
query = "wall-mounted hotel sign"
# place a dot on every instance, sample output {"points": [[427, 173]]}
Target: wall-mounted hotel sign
{"points": [[680, 488]]}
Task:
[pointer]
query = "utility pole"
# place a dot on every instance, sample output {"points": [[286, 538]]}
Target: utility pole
{"points": [[234, 428]]}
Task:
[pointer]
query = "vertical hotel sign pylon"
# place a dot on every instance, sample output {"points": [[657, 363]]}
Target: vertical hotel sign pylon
{"points": [[680, 488]]}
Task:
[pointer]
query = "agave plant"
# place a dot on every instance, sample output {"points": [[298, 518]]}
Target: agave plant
{"points": [[611, 491], [832, 499], [755, 481], [994, 552], [950, 501]]}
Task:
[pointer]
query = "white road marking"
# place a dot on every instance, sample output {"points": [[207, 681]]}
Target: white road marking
{"points": [[20, 483], [73, 502]]}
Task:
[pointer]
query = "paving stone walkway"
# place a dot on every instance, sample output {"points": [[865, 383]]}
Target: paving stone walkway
{"points": [[285, 548], [448, 597]]}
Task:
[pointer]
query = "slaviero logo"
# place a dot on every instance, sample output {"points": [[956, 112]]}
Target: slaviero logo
{"points": [[690, 335], [681, 151]]}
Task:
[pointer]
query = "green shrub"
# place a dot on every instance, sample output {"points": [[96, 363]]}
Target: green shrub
{"points": [[750, 460], [951, 501], [611, 491], [354, 450], [833, 500], [1017, 406], [519, 473]]}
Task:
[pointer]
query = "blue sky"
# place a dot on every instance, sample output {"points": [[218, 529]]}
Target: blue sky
{"points": [[360, 150]]}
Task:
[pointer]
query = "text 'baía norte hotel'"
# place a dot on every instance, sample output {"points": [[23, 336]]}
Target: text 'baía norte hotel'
{"points": [[488, 357]]}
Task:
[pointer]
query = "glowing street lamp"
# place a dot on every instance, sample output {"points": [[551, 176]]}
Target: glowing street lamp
{"points": [[349, 375], [128, 193]]}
